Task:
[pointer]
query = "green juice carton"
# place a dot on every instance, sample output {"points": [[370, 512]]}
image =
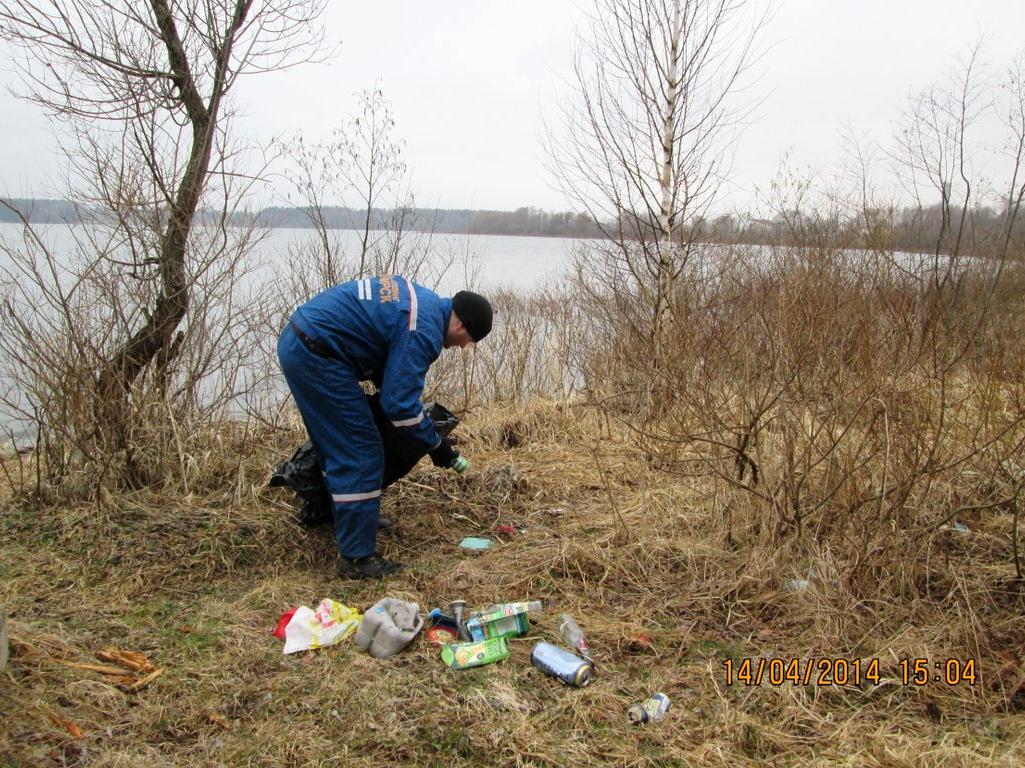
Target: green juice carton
{"points": [[475, 654]]}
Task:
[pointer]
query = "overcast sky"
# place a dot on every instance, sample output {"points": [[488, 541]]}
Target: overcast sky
{"points": [[469, 82]]}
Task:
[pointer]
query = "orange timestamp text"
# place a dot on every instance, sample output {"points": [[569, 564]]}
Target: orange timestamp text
{"points": [[840, 671]]}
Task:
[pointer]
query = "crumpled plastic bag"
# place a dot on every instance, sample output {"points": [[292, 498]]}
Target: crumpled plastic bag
{"points": [[388, 627], [331, 623]]}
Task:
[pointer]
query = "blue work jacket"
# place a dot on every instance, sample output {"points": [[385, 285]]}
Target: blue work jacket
{"points": [[389, 330]]}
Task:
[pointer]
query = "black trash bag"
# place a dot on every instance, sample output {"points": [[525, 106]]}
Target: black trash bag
{"points": [[302, 472]]}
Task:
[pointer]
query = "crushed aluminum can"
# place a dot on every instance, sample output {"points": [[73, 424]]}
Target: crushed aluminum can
{"points": [[651, 710]]}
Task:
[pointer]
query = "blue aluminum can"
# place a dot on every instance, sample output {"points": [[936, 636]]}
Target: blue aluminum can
{"points": [[560, 663]]}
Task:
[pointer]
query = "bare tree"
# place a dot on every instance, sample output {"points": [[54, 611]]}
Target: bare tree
{"points": [[359, 181], [648, 129], [149, 72], [844, 387], [142, 89], [934, 155], [368, 159], [1013, 195]]}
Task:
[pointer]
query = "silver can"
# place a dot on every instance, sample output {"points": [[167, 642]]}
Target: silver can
{"points": [[560, 663], [651, 710]]}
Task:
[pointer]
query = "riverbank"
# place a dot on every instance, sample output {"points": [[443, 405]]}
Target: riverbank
{"points": [[197, 580]]}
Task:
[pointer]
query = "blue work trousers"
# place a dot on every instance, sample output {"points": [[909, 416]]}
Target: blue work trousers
{"points": [[338, 419]]}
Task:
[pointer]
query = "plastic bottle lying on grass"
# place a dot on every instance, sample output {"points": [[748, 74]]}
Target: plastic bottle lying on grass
{"points": [[573, 635]]}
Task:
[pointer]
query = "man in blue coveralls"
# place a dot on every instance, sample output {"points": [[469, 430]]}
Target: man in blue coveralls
{"points": [[387, 330]]}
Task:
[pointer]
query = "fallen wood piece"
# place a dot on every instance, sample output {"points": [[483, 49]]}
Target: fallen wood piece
{"points": [[101, 668], [121, 680], [218, 720], [131, 659], [68, 725], [141, 683]]}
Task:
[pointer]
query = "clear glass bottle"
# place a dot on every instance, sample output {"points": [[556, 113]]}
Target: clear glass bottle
{"points": [[573, 635]]}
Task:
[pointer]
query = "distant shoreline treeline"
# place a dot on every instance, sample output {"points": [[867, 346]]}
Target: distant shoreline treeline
{"points": [[522, 221], [898, 229]]}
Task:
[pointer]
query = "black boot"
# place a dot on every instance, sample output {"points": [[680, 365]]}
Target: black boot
{"points": [[370, 567]]}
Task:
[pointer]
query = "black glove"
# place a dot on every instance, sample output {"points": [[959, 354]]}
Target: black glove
{"points": [[444, 454]]}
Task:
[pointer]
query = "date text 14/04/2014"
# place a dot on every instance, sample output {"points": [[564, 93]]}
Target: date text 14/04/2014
{"points": [[837, 671]]}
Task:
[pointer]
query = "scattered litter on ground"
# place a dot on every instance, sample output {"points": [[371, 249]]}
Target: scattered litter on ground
{"points": [[388, 627], [475, 543], [502, 620], [573, 635], [279, 630], [491, 630], [466, 655], [442, 633], [493, 627], [561, 663], [331, 623], [651, 710], [456, 610]]}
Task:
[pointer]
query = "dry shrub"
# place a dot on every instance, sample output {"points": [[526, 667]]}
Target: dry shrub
{"points": [[842, 402], [531, 351], [67, 308]]}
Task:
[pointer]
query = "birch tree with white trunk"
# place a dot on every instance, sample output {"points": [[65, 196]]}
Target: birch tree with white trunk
{"points": [[654, 109]]}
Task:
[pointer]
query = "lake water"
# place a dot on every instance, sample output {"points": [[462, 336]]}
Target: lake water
{"points": [[499, 261], [483, 262]]}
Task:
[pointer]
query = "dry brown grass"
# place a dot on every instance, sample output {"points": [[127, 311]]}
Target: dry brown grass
{"points": [[196, 582]]}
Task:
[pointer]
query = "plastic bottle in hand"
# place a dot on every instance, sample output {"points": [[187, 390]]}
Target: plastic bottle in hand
{"points": [[573, 635]]}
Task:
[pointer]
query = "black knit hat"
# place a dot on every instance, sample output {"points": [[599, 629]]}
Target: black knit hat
{"points": [[475, 312]]}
